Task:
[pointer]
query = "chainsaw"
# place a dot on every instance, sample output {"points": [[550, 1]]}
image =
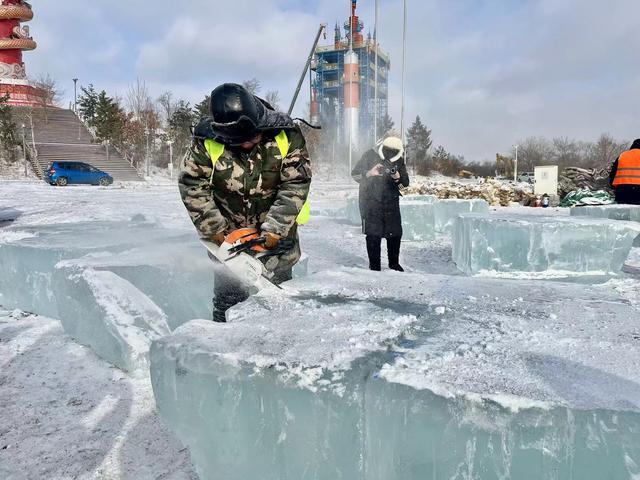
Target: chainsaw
{"points": [[242, 251]]}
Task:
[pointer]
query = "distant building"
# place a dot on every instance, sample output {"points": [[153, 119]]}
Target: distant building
{"points": [[343, 85], [14, 39]]}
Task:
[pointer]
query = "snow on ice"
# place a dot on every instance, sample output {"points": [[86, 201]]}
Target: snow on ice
{"points": [[344, 382]]}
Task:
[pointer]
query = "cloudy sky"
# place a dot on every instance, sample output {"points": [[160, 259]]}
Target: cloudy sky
{"points": [[482, 74]]}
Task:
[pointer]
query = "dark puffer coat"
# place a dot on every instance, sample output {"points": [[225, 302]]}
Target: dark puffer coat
{"points": [[380, 196]]}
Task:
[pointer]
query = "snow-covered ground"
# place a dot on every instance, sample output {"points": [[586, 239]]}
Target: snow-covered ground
{"points": [[65, 413]]}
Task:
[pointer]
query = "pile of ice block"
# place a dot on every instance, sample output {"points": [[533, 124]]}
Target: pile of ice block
{"points": [[533, 244], [424, 216], [114, 285]]}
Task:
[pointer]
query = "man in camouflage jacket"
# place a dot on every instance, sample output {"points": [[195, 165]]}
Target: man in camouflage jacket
{"points": [[249, 185]]}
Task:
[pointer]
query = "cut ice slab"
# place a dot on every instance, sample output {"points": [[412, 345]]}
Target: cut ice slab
{"points": [[537, 246], [418, 222], [115, 285], [28, 263], [28, 256], [613, 212], [112, 316], [446, 211], [423, 216], [403, 376]]}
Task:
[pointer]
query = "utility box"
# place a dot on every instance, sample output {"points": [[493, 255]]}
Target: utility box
{"points": [[546, 180]]}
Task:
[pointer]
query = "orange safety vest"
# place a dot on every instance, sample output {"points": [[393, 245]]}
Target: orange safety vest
{"points": [[628, 172]]}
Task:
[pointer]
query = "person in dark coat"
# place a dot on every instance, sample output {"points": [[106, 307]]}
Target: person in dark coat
{"points": [[625, 175], [380, 174]]}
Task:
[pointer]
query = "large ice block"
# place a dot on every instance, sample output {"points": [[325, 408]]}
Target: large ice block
{"points": [[114, 285], [613, 212], [424, 216], [447, 210], [353, 211], [418, 222], [350, 377], [113, 317], [539, 246]]}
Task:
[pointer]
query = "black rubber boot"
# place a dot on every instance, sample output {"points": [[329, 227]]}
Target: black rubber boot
{"points": [[393, 253], [228, 291], [373, 250]]}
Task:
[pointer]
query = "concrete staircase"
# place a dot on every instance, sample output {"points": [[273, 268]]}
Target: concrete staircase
{"points": [[63, 137]]}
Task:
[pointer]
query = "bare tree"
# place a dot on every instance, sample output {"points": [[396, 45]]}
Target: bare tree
{"points": [[138, 99], [273, 97], [50, 93], [605, 151], [252, 85], [534, 151], [566, 153], [145, 122], [167, 105]]}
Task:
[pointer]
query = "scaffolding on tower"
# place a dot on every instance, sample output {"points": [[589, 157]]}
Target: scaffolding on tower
{"points": [[343, 85]]}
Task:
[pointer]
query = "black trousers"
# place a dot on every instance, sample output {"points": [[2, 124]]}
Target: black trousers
{"points": [[229, 291], [374, 247], [628, 194]]}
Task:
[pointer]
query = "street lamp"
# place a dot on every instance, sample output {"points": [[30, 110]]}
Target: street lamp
{"points": [[75, 95], [515, 169]]}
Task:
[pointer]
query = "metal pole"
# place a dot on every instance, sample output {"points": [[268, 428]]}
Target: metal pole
{"points": [[375, 81], [75, 105], [306, 66], [404, 65], [170, 142], [350, 110], [75, 95], [24, 151], [515, 170], [147, 132]]}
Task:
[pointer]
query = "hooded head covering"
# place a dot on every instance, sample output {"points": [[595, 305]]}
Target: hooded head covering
{"points": [[392, 145], [635, 144]]}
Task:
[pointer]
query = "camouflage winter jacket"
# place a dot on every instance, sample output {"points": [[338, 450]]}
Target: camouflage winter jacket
{"points": [[256, 189]]}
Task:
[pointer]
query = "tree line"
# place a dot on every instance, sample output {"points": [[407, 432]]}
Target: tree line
{"points": [[142, 128], [139, 126], [532, 152]]}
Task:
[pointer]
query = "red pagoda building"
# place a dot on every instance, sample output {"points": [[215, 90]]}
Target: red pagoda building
{"points": [[14, 39]]}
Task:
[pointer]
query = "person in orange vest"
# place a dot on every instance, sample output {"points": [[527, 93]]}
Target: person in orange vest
{"points": [[625, 175]]}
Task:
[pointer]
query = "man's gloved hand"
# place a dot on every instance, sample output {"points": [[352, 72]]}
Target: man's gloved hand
{"points": [[271, 240], [218, 238]]}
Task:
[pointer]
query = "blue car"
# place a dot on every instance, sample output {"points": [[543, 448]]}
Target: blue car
{"points": [[65, 173]]}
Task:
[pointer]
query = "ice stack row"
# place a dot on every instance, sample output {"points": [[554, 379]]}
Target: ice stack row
{"points": [[542, 246], [613, 212], [463, 378], [424, 216]]}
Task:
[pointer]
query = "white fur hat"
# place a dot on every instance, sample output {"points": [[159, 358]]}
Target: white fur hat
{"points": [[392, 143]]}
